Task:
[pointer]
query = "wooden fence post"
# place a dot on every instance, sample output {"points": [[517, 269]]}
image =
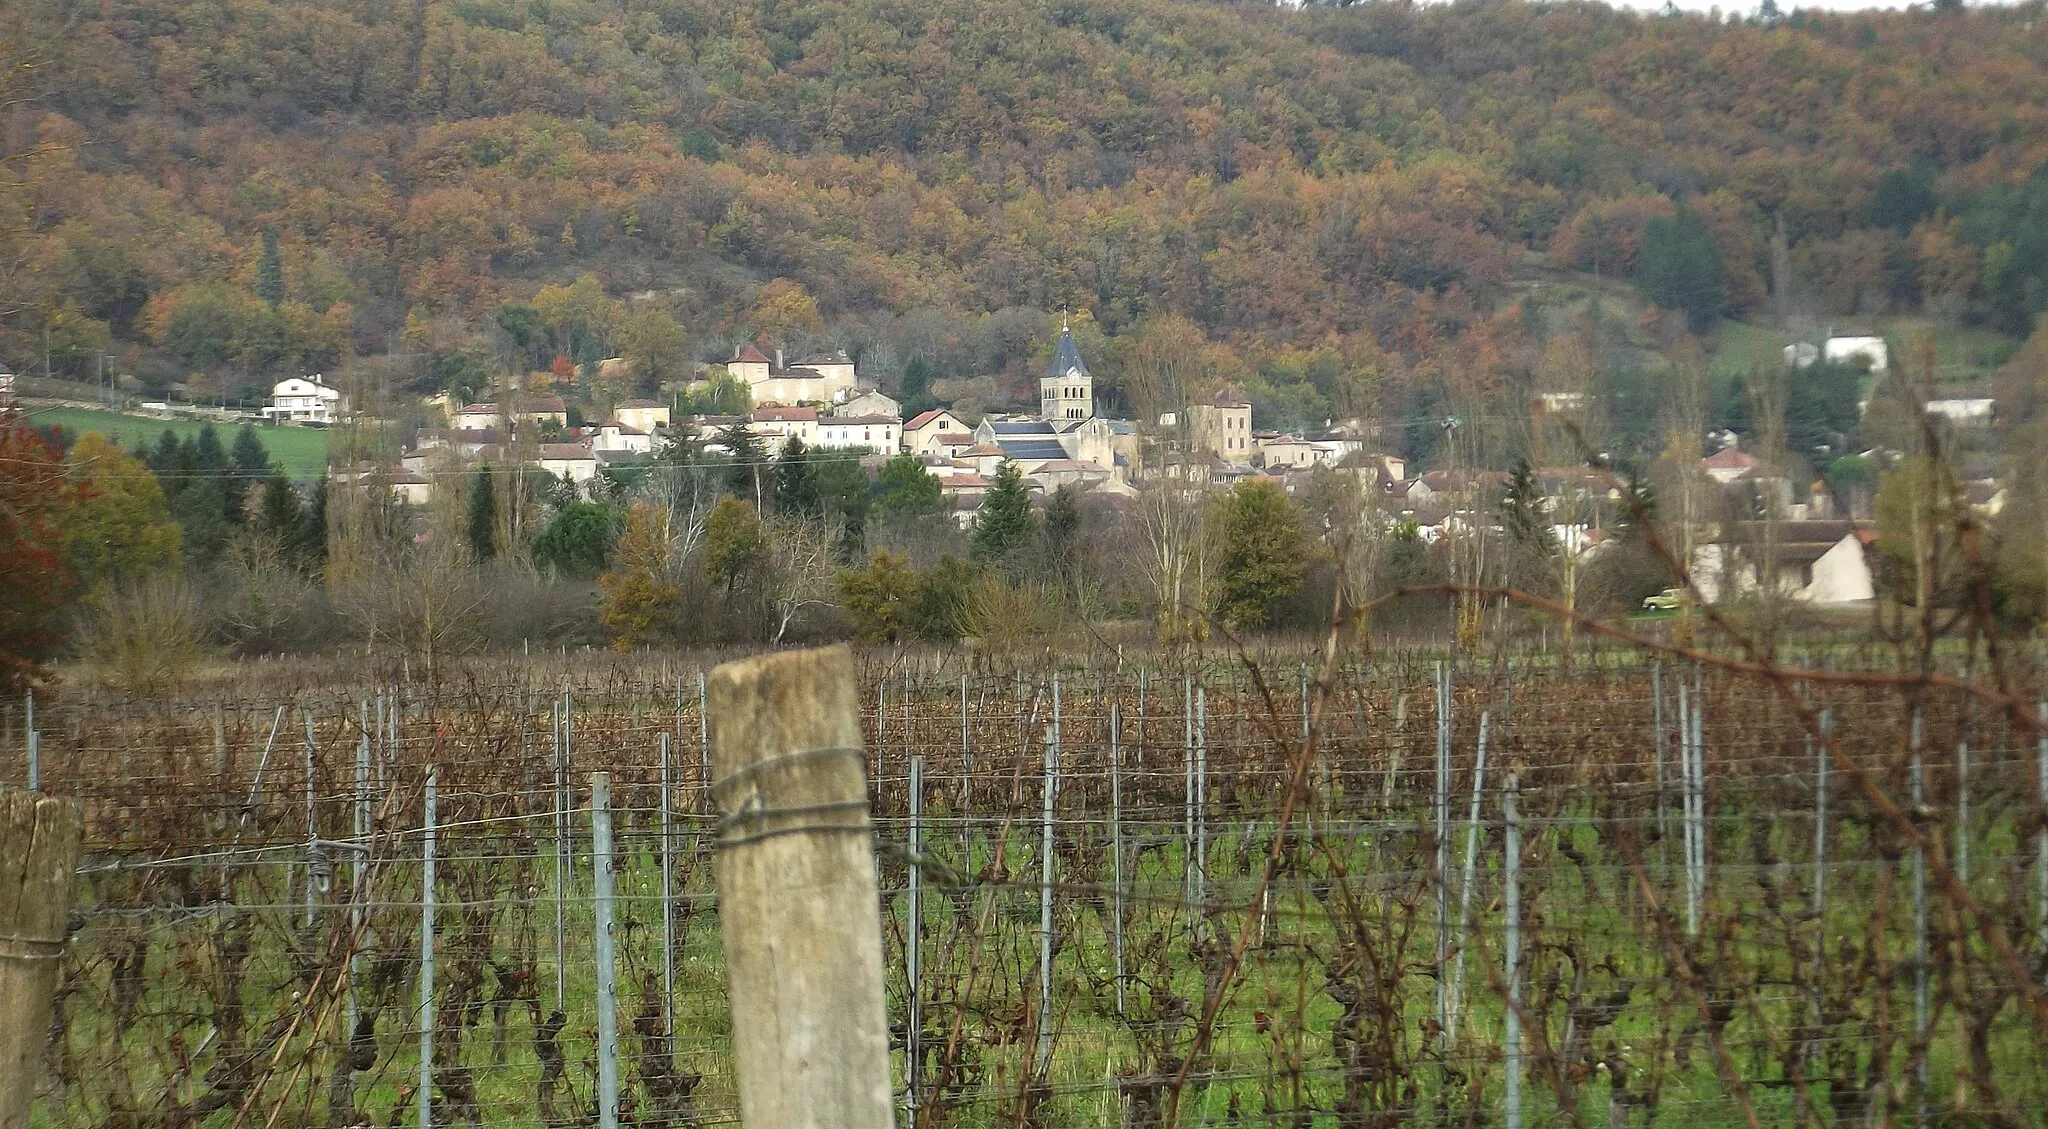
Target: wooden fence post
{"points": [[798, 901], [38, 853]]}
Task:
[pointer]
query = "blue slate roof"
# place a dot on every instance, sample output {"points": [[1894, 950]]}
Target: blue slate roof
{"points": [[1032, 450], [1004, 427], [1066, 357]]}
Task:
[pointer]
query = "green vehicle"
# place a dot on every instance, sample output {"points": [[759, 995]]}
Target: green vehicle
{"points": [[1665, 601]]}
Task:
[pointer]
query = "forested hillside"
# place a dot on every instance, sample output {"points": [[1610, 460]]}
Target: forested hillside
{"points": [[1347, 204]]}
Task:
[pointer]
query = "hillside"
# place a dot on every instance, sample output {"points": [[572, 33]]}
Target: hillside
{"points": [[1341, 200]]}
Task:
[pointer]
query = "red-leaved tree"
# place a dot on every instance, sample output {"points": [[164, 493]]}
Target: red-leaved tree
{"points": [[34, 580]]}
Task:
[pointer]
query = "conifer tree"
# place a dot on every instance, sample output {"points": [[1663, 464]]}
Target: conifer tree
{"points": [[483, 517], [1004, 521]]}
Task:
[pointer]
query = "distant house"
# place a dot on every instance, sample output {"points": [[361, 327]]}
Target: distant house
{"points": [[1975, 411], [821, 379], [572, 462], [411, 487], [1284, 451], [619, 439], [780, 425], [304, 400], [526, 409], [643, 415], [1867, 351], [920, 435], [6, 389], [871, 403], [875, 432], [1815, 562], [1729, 464], [1223, 425]]}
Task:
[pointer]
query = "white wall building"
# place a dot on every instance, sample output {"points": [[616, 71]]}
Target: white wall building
{"points": [[571, 461], [921, 434], [880, 433], [644, 415], [304, 400], [780, 425], [824, 379], [1815, 562]]}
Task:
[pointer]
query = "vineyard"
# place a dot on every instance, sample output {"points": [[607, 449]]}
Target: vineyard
{"points": [[1389, 891]]}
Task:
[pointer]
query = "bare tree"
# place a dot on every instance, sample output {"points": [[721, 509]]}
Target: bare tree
{"points": [[801, 571], [1172, 520]]}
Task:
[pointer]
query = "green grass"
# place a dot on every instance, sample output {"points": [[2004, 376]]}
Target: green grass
{"points": [[301, 451]]}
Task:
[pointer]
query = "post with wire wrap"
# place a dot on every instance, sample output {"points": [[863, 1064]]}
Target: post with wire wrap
{"points": [[798, 899], [38, 851]]}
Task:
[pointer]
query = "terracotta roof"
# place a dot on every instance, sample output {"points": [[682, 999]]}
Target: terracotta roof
{"points": [[983, 450], [1731, 458], [922, 418], [953, 439], [565, 452], [863, 421], [749, 355], [963, 482], [784, 415]]}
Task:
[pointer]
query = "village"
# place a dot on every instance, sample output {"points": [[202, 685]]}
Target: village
{"points": [[1795, 534]]}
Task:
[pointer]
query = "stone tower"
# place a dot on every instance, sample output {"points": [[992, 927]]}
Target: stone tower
{"points": [[1066, 391]]}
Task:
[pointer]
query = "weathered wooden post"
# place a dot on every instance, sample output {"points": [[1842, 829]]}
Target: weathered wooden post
{"points": [[798, 901], [38, 852]]}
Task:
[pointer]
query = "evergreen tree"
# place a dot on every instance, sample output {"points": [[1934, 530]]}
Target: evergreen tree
{"points": [[251, 466], [163, 459], [277, 511], [916, 389], [1531, 542], [202, 513], [1004, 521], [748, 458], [1680, 267], [796, 482], [483, 517], [311, 542], [1060, 534], [904, 486], [270, 271]]}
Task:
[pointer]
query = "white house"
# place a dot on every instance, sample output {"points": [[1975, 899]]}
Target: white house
{"points": [[783, 424], [921, 436], [1284, 451], [642, 415], [619, 439], [6, 389], [1816, 562], [1849, 350], [571, 461], [305, 400], [1978, 410], [875, 432]]}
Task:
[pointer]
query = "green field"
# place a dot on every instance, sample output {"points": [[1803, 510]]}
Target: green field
{"points": [[301, 451]]}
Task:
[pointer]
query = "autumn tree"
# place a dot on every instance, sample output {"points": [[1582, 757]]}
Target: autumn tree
{"points": [[735, 545], [638, 603], [784, 310], [652, 344], [35, 494], [117, 526], [879, 598]]}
